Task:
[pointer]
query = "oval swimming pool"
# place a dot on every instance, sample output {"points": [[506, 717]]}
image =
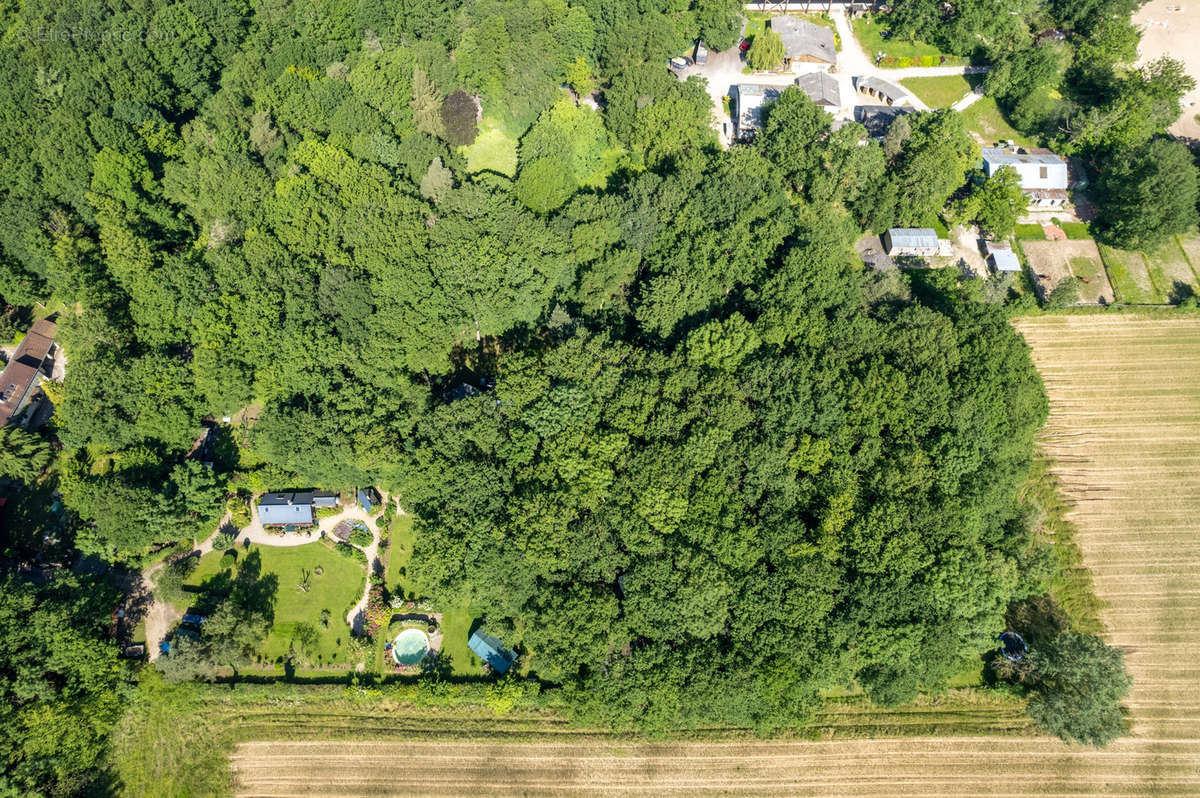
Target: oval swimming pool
{"points": [[410, 647]]}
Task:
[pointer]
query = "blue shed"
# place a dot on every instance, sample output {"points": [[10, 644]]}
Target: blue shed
{"points": [[367, 499], [491, 650]]}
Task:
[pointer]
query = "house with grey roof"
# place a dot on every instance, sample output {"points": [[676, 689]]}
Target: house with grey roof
{"points": [[750, 99], [821, 88], [283, 509], [878, 118], [911, 241], [1000, 257], [1043, 174], [882, 91], [804, 42]]}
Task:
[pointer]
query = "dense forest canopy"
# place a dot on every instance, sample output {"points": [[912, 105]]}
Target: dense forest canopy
{"points": [[717, 465]]}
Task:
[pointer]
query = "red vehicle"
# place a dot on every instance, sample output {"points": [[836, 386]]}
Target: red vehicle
{"points": [[743, 46]]}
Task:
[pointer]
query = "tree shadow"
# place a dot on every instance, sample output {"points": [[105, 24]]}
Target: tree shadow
{"points": [[253, 590], [1182, 294]]}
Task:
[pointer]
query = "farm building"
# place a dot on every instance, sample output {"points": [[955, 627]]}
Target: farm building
{"points": [[1043, 174], [821, 88], [23, 372], [283, 509], [491, 650], [1001, 258], [804, 42], [911, 241], [326, 499], [879, 89], [751, 97]]}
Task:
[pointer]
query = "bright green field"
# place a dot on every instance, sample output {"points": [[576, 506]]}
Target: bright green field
{"points": [[942, 91], [1130, 277], [336, 589], [494, 150], [898, 52], [1030, 232], [984, 119]]}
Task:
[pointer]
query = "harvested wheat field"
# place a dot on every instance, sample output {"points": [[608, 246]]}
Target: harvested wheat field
{"points": [[1124, 429], [960, 767]]}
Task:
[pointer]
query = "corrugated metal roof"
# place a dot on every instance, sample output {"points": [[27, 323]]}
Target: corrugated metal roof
{"points": [[913, 237], [998, 156], [1002, 257]]}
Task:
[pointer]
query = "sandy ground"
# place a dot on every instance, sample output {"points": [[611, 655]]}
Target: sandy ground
{"points": [[1172, 28], [1050, 261]]}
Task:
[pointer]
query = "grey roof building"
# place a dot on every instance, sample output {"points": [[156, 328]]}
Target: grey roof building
{"points": [[878, 118], [804, 42], [821, 88], [878, 88], [1000, 256], [279, 509], [919, 241], [751, 97]]}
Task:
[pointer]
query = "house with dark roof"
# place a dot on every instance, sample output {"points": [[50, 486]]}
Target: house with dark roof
{"points": [[23, 373], [283, 509], [750, 99], [804, 42], [880, 90], [368, 499], [492, 651], [821, 88], [878, 118]]}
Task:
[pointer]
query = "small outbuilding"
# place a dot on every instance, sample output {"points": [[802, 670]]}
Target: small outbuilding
{"points": [[805, 42], [1001, 258], [882, 91], [911, 241], [821, 88], [492, 651], [751, 98], [326, 499], [368, 499], [283, 509]]}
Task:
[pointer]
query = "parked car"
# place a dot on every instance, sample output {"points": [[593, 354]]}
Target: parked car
{"points": [[680, 62], [743, 46], [701, 53]]}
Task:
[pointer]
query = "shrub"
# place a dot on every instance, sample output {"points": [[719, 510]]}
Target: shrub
{"points": [[348, 551], [224, 540], [361, 537], [228, 559]]}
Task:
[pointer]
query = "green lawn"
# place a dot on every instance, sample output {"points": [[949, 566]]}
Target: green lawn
{"points": [[1030, 232], [1171, 272], [985, 120], [1130, 276], [457, 617], [942, 91], [897, 51], [494, 150], [1076, 231], [336, 589]]}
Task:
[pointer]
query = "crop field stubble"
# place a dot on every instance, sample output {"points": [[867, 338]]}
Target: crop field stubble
{"points": [[1124, 429]]}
